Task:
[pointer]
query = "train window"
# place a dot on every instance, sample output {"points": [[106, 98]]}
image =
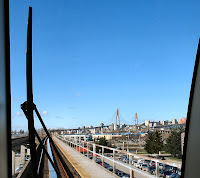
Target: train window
{"points": [[101, 79]]}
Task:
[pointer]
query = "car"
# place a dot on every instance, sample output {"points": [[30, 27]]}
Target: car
{"points": [[18, 170], [147, 161], [165, 173], [98, 161], [137, 164], [153, 172], [126, 176], [171, 168], [90, 157], [134, 161], [125, 160], [149, 168], [144, 167], [152, 163], [27, 158], [161, 166], [179, 172], [140, 160], [174, 175], [105, 165], [120, 174], [110, 168], [140, 165], [109, 155]]}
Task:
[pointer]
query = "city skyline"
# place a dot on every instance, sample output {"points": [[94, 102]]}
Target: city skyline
{"points": [[90, 58]]}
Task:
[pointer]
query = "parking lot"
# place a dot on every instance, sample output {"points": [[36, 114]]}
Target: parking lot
{"points": [[139, 164]]}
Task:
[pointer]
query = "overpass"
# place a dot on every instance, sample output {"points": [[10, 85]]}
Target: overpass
{"points": [[19, 141]]}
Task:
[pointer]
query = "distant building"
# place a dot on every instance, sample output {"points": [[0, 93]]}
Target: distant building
{"points": [[147, 123], [111, 127], [115, 126], [122, 126], [163, 122], [174, 121], [101, 125], [106, 136], [150, 124], [182, 120]]}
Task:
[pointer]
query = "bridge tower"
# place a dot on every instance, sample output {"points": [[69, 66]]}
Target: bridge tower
{"points": [[136, 119], [117, 117]]}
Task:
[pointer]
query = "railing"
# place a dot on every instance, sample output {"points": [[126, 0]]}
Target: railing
{"points": [[85, 146]]}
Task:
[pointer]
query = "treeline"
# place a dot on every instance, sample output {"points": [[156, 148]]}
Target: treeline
{"points": [[172, 145]]}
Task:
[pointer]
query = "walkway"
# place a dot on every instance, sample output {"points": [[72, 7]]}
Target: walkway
{"points": [[84, 166]]}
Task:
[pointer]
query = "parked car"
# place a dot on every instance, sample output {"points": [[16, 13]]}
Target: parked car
{"points": [[18, 169], [120, 174], [125, 160], [161, 166], [144, 167], [27, 158], [140, 165], [90, 157], [134, 161], [105, 165], [152, 163], [147, 161], [165, 173], [110, 168], [173, 175], [149, 168], [98, 161], [172, 169], [140, 160], [109, 155], [137, 165], [126, 176], [179, 172], [153, 172]]}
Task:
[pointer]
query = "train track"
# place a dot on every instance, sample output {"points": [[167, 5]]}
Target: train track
{"points": [[64, 166]]}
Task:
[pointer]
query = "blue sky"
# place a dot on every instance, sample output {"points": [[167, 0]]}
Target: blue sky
{"points": [[92, 57]]}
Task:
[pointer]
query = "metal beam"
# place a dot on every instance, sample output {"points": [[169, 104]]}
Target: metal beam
{"points": [[30, 95]]}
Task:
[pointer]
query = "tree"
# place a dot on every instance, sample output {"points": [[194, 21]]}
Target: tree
{"points": [[104, 142], [154, 143], [173, 143]]}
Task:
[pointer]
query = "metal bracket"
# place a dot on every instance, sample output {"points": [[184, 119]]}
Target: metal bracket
{"points": [[24, 107]]}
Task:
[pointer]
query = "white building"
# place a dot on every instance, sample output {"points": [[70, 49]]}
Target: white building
{"points": [[146, 123], [174, 121]]}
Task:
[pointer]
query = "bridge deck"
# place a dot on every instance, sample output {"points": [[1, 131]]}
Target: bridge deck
{"points": [[84, 166]]}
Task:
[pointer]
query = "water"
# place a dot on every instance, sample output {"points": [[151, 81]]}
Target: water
{"points": [[51, 169]]}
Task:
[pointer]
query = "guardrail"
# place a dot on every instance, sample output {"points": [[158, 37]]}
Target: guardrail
{"points": [[85, 146]]}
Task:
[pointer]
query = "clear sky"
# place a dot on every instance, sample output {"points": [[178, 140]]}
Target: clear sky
{"points": [[91, 57]]}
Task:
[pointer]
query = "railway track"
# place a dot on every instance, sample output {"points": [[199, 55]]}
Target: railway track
{"points": [[64, 166]]}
